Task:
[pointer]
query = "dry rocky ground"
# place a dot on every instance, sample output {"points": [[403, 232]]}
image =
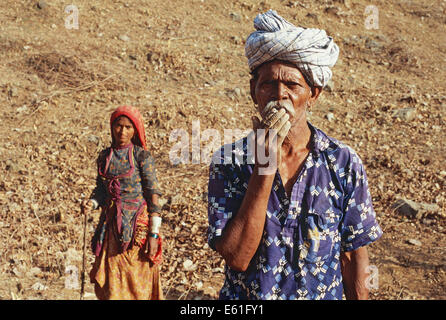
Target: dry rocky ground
{"points": [[180, 61]]}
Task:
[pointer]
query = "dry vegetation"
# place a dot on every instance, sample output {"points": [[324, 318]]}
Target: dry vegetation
{"points": [[180, 61]]}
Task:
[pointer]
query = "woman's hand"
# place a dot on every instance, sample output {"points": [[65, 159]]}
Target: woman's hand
{"points": [[151, 246], [87, 206]]}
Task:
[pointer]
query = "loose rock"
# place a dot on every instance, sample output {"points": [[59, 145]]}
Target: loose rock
{"points": [[39, 287], [414, 242], [41, 5], [413, 209], [405, 114], [330, 116], [124, 37], [188, 265], [236, 17]]}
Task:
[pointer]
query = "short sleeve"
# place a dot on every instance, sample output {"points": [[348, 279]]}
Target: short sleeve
{"points": [[225, 195], [359, 227]]}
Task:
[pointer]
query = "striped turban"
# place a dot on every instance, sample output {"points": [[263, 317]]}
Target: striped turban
{"points": [[311, 50]]}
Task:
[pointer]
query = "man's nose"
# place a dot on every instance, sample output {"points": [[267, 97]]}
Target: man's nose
{"points": [[281, 91]]}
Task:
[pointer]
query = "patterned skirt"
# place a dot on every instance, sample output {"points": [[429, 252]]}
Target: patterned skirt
{"points": [[125, 276]]}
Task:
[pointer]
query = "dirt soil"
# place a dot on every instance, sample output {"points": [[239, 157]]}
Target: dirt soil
{"points": [[183, 61]]}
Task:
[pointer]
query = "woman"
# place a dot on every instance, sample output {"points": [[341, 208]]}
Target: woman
{"points": [[127, 243]]}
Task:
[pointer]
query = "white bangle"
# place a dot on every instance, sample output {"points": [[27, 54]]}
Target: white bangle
{"points": [[95, 203], [155, 224]]}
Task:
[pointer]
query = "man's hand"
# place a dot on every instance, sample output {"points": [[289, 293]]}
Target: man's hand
{"points": [[276, 124]]}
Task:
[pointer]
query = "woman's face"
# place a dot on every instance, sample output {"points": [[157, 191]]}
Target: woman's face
{"points": [[123, 131]]}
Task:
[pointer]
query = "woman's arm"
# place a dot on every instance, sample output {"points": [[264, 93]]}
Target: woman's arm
{"points": [[151, 193]]}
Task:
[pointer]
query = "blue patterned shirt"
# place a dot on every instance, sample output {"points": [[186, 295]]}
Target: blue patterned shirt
{"points": [[330, 210]]}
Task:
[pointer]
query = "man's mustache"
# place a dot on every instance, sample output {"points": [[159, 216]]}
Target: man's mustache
{"points": [[287, 105]]}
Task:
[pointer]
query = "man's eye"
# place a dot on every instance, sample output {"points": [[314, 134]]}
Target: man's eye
{"points": [[268, 83]]}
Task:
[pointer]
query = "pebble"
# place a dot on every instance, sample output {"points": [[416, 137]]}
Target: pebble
{"points": [[176, 199], [124, 37], [34, 272], [312, 16], [332, 10], [372, 44], [41, 5], [188, 265], [94, 139], [235, 17], [236, 40], [199, 285], [405, 114], [13, 92], [16, 272], [12, 166], [38, 286], [217, 270], [22, 109], [238, 92], [330, 116], [72, 255], [414, 242]]}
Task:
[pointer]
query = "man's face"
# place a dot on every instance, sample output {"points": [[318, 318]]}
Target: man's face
{"points": [[281, 81]]}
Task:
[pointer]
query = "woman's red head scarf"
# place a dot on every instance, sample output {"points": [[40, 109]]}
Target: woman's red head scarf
{"points": [[135, 117]]}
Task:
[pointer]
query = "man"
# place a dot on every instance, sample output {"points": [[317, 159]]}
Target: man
{"points": [[299, 231]]}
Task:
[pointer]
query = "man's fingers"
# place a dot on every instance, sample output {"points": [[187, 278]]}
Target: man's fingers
{"points": [[267, 116], [271, 120], [281, 129], [255, 123], [280, 122], [268, 108], [283, 132]]}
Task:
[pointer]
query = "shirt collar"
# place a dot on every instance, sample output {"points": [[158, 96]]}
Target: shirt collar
{"points": [[319, 141]]}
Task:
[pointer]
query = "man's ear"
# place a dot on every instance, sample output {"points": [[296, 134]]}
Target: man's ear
{"points": [[252, 87], [315, 92]]}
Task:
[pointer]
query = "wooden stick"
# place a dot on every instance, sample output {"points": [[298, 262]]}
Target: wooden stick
{"points": [[83, 258]]}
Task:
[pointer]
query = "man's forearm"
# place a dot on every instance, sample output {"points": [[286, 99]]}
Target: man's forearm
{"points": [[242, 235], [354, 273]]}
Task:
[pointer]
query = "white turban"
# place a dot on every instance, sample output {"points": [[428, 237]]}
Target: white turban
{"points": [[311, 50]]}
